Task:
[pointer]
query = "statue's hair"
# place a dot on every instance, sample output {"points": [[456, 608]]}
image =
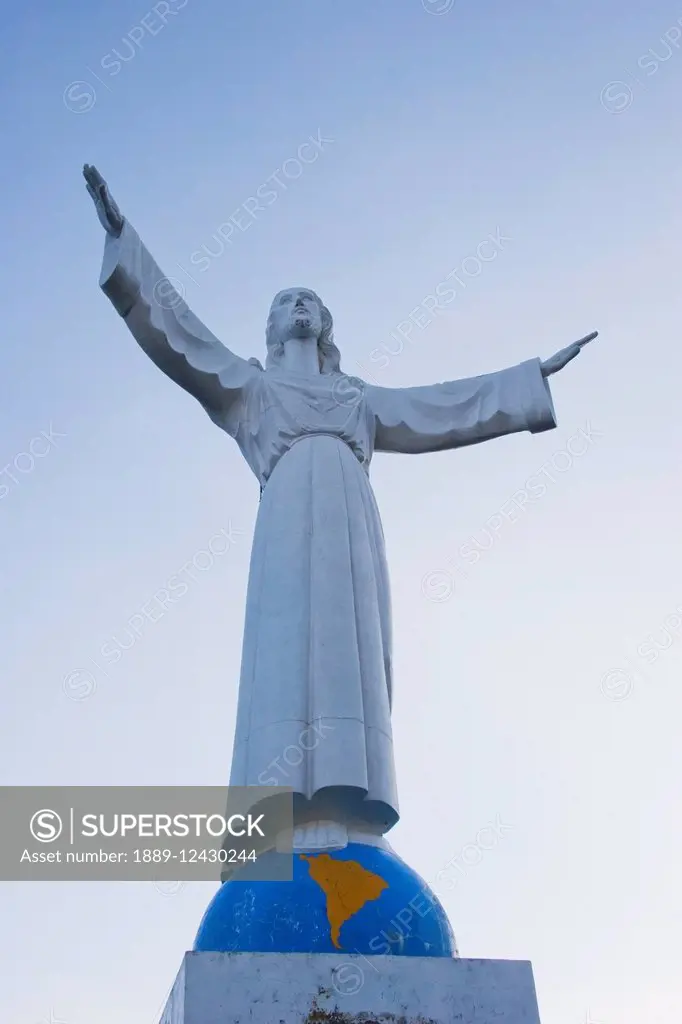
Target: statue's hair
{"points": [[330, 357]]}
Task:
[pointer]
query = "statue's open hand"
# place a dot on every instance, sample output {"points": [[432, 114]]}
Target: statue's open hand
{"points": [[559, 359], [108, 212]]}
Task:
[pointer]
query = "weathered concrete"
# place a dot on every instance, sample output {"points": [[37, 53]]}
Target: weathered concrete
{"points": [[297, 988]]}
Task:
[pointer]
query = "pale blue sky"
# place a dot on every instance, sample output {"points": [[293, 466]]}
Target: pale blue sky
{"points": [[446, 128]]}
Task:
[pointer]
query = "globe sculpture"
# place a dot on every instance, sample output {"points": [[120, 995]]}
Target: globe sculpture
{"points": [[360, 899]]}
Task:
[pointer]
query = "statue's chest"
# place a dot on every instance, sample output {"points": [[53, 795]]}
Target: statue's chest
{"points": [[279, 410], [333, 404]]}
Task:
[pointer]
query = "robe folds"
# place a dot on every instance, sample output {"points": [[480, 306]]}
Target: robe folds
{"points": [[314, 706]]}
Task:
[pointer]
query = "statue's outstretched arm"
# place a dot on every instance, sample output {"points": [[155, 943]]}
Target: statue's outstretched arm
{"points": [[462, 412], [158, 317]]}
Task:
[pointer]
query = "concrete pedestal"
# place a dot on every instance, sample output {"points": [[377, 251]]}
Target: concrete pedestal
{"points": [[300, 988]]}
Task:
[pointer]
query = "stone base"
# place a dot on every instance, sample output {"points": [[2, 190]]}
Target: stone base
{"points": [[320, 988]]}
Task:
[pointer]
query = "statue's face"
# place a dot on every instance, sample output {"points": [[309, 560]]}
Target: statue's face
{"points": [[296, 313]]}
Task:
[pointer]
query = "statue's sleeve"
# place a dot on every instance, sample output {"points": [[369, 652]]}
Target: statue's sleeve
{"points": [[167, 330], [461, 412]]}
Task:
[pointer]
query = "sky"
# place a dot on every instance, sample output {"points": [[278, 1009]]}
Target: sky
{"points": [[537, 645]]}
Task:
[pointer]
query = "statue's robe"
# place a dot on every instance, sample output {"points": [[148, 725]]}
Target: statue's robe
{"points": [[315, 687]]}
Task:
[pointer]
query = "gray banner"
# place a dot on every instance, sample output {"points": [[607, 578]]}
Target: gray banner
{"points": [[145, 833]]}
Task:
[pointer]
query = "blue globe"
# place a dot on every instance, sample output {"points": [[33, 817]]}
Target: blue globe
{"points": [[361, 899]]}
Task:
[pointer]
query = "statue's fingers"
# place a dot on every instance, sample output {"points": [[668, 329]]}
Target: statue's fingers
{"points": [[96, 178], [90, 174], [588, 337], [105, 197], [95, 188]]}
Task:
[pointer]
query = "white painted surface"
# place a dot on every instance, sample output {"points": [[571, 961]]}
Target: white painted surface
{"points": [[326, 835], [315, 686], [259, 988]]}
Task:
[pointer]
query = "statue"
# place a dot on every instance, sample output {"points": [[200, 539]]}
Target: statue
{"points": [[316, 665]]}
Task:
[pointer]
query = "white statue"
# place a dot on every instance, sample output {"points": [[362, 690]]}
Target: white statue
{"points": [[315, 689]]}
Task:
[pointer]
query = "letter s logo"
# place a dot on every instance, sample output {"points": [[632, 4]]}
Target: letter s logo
{"points": [[46, 826]]}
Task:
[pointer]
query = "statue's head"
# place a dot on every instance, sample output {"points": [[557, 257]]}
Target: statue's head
{"points": [[300, 313]]}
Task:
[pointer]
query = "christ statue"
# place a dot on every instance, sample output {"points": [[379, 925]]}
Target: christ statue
{"points": [[316, 672]]}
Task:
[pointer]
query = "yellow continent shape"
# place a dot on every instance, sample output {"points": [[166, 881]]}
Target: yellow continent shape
{"points": [[346, 885]]}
